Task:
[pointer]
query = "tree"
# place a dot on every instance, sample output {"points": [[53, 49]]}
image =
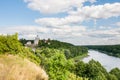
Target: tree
{"points": [[116, 72]]}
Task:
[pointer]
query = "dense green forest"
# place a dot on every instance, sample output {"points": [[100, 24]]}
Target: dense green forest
{"points": [[70, 50], [55, 63], [113, 50]]}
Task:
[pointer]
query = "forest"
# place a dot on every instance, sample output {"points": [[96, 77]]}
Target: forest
{"points": [[58, 64], [70, 50], [112, 50]]}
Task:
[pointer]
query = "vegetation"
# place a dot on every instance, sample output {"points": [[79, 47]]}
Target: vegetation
{"points": [[116, 73], [7, 44], [16, 68], [58, 67], [70, 50], [113, 50], [10, 44], [94, 71], [56, 58]]}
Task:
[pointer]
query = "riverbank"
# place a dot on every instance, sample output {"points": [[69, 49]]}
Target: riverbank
{"points": [[109, 62], [112, 50], [78, 58]]}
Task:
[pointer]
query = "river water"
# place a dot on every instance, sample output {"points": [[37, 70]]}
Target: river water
{"points": [[109, 62]]}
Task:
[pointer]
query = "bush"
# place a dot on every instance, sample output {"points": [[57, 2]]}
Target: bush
{"points": [[10, 44]]}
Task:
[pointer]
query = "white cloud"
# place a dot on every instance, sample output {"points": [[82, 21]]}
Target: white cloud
{"points": [[98, 11], [54, 22], [72, 34], [69, 28], [109, 33], [118, 24], [101, 37], [29, 32], [55, 6], [82, 14], [24, 29]]}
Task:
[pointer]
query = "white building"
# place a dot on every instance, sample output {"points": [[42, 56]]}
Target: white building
{"points": [[28, 43], [36, 41]]}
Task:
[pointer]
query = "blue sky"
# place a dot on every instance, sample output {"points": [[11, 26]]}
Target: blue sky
{"points": [[81, 22]]}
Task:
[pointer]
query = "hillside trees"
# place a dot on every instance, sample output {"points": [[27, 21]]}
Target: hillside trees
{"points": [[55, 63], [116, 72], [70, 50], [10, 44]]}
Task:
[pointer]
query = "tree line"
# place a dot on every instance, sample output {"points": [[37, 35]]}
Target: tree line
{"points": [[70, 50], [113, 50]]}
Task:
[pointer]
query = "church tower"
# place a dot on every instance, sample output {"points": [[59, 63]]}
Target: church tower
{"points": [[36, 41]]}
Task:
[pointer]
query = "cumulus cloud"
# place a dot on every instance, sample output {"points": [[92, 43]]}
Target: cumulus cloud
{"points": [[29, 32], [55, 6], [109, 33], [82, 14], [69, 28], [98, 11], [53, 22], [24, 29]]}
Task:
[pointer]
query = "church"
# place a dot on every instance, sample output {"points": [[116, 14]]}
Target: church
{"points": [[36, 40]]}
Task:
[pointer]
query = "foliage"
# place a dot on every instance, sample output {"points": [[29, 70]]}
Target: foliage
{"points": [[112, 77], [59, 67], [74, 77], [70, 50], [55, 63], [116, 72], [93, 70], [9, 44]]}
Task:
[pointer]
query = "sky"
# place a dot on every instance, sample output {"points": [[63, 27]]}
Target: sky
{"points": [[80, 22]]}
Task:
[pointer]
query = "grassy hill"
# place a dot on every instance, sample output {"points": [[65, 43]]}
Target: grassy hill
{"points": [[17, 68], [18, 62]]}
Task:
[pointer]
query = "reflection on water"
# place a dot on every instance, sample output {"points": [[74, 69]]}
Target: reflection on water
{"points": [[109, 62]]}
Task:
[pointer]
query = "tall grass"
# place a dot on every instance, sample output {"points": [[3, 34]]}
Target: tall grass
{"points": [[16, 68]]}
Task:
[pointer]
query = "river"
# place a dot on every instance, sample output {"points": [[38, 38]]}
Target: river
{"points": [[109, 62]]}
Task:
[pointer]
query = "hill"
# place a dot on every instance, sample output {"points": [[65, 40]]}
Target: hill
{"points": [[16, 68]]}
